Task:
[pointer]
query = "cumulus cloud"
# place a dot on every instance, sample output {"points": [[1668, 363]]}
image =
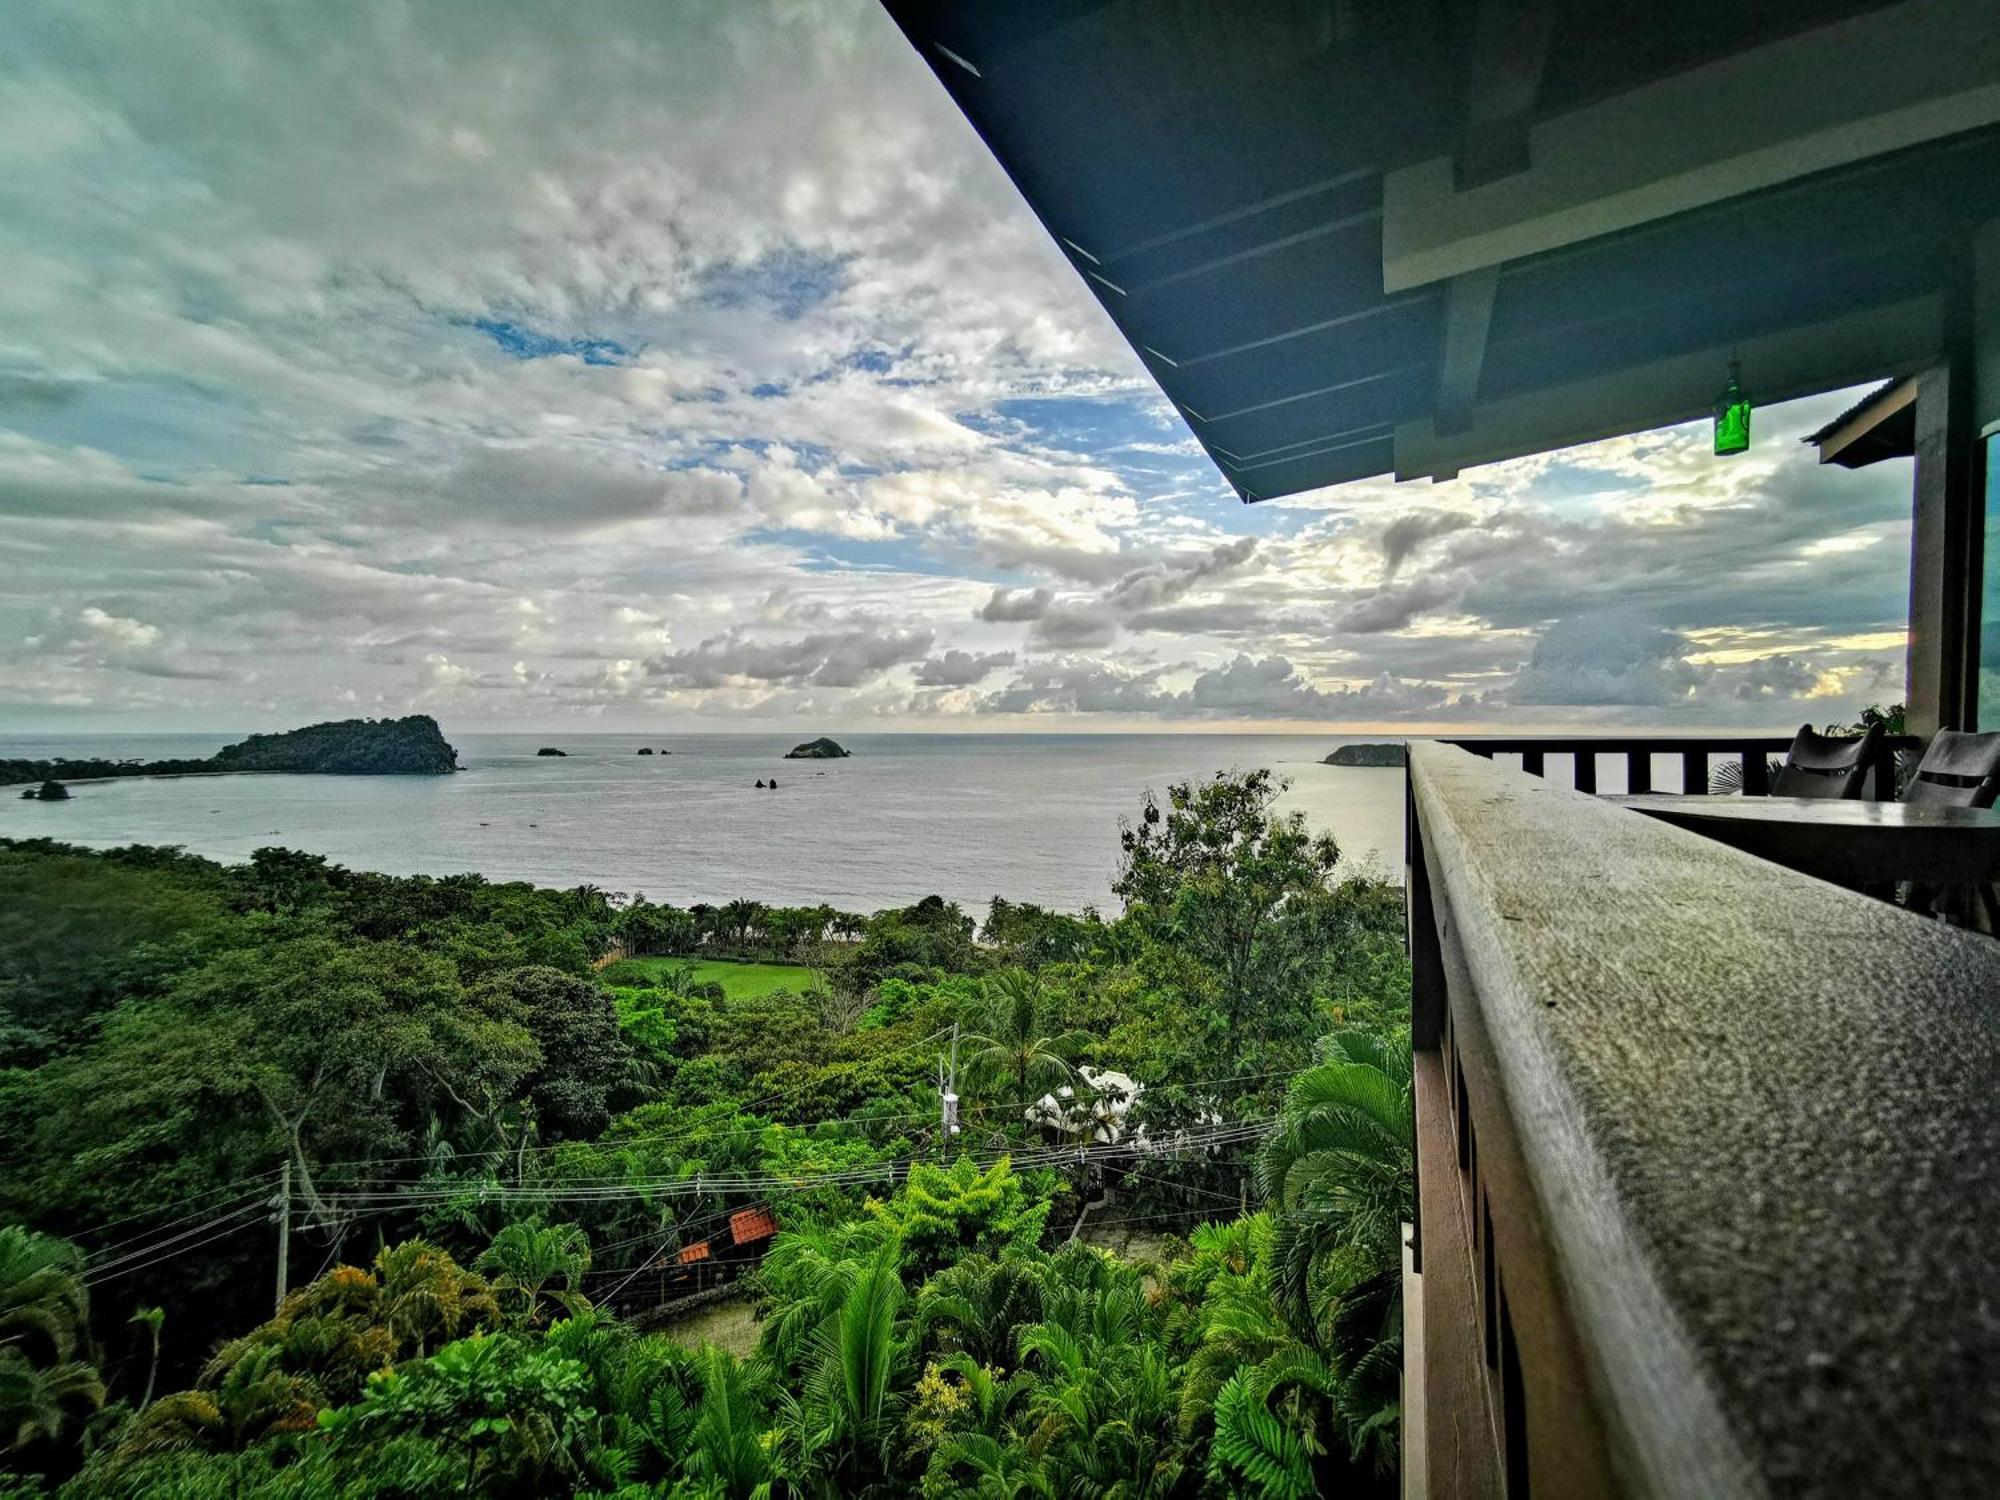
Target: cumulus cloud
{"points": [[842, 659], [961, 668], [1405, 534], [683, 377], [1598, 660], [557, 489], [1015, 605]]}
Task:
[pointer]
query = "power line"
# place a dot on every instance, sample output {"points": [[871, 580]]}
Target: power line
{"points": [[148, 1249], [184, 1203], [99, 1277]]}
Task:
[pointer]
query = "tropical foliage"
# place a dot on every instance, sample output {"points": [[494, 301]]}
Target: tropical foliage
{"points": [[512, 1145]]}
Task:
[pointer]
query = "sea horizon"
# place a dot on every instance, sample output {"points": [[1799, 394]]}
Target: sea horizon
{"points": [[907, 815]]}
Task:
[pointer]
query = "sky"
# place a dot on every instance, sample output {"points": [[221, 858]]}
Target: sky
{"points": [[692, 366]]}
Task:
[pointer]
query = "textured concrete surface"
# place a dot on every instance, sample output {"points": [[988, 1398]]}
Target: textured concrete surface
{"points": [[1759, 1111]]}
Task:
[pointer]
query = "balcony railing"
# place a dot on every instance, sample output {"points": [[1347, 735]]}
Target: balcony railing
{"points": [[1638, 763], [1708, 1162]]}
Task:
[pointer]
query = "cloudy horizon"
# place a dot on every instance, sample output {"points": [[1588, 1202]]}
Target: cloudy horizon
{"points": [[677, 368]]}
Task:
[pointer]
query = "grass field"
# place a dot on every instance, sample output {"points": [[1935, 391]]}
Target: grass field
{"points": [[738, 981]]}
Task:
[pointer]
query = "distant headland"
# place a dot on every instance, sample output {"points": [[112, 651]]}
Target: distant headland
{"points": [[819, 749], [1368, 755], [411, 746]]}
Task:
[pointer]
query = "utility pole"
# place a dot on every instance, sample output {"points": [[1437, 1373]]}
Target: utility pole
{"points": [[284, 1229], [948, 1098]]}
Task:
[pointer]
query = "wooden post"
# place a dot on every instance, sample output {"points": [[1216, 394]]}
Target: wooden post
{"points": [[1947, 540], [284, 1231], [1694, 773], [1638, 771]]}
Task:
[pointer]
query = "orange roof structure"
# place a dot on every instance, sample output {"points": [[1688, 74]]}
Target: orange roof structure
{"points": [[697, 1251], [748, 1224]]}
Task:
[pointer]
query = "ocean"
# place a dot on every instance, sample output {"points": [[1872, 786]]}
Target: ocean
{"points": [[966, 817]]}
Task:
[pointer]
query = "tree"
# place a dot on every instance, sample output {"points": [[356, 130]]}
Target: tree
{"points": [[320, 1348], [44, 1323], [529, 1261], [946, 1213], [846, 1415], [1214, 873], [1017, 1046], [516, 1411], [151, 1319], [1338, 1170], [738, 918], [328, 1037], [574, 1024]]}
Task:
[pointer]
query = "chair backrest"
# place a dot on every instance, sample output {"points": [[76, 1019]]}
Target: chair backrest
{"points": [[1958, 770], [1825, 765]]}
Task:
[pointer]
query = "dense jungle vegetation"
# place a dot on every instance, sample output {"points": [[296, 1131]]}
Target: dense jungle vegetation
{"points": [[498, 1145], [411, 746]]}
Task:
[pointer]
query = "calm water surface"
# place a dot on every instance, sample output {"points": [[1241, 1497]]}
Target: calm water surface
{"points": [[1029, 817]]}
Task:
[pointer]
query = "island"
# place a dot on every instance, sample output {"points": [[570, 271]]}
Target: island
{"points": [[48, 791], [1368, 755], [551, 750], [645, 749], [411, 746], [819, 749]]}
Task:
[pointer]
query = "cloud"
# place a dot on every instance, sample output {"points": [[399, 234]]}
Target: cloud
{"points": [[1393, 608], [1067, 626], [828, 659], [1405, 534], [1597, 660], [1016, 604], [1163, 582], [555, 489], [961, 668], [711, 369]]}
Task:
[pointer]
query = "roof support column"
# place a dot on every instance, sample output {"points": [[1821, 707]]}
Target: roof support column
{"points": [[1948, 533]]}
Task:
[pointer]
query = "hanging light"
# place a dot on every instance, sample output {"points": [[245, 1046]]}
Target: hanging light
{"points": [[1732, 415]]}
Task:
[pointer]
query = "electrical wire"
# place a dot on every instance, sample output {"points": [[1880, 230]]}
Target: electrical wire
{"points": [[260, 1178], [172, 1239], [99, 1277]]}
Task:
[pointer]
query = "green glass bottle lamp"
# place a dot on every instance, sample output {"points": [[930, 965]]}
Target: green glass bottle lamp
{"points": [[1732, 415]]}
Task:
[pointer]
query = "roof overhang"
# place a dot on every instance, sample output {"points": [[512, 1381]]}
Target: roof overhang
{"points": [[1881, 425], [1351, 240]]}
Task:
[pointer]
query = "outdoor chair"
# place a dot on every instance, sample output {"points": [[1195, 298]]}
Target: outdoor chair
{"points": [[1958, 770], [1824, 765]]}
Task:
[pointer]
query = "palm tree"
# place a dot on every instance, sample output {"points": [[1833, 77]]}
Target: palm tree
{"points": [[150, 1318], [528, 1261], [1338, 1171], [738, 917], [425, 1294], [1015, 1046], [726, 1444], [846, 1417], [44, 1318]]}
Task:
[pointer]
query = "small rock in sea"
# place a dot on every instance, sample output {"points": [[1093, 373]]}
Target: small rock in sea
{"points": [[774, 783], [760, 783], [819, 749], [645, 750]]}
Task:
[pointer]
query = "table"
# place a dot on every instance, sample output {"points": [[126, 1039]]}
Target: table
{"points": [[1850, 843]]}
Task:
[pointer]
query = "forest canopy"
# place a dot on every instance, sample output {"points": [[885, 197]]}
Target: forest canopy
{"points": [[1146, 1242]]}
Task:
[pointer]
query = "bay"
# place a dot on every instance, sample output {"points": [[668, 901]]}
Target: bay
{"points": [[966, 817]]}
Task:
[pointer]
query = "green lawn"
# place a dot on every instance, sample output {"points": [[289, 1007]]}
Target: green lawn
{"points": [[738, 981]]}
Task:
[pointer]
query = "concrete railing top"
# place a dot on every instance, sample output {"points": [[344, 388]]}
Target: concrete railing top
{"points": [[1758, 1113]]}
